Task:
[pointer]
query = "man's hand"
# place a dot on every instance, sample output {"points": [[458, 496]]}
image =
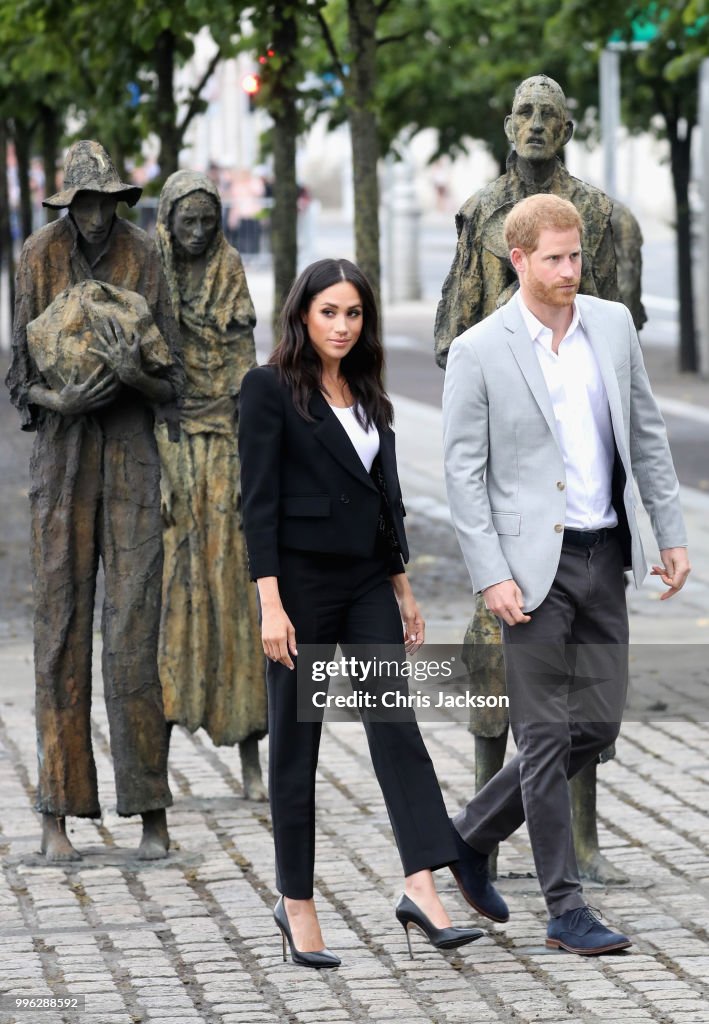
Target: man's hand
{"points": [[121, 355], [76, 399], [505, 600], [674, 570]]}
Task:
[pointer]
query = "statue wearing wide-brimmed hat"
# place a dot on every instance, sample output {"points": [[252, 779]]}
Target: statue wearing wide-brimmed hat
{"points": [[94, 363], [88, 167]]}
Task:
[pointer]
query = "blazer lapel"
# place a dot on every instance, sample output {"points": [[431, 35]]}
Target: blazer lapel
{"points": [[387, 457], [333, 436], [523, 350], [597, 339]]}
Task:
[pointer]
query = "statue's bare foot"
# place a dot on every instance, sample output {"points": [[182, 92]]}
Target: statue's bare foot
{"points": [[156, 841], [254, 788], [56, 846], [599, 869]]}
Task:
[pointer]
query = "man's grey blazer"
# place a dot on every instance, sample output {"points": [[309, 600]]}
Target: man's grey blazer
{"points": [[504, 469]]}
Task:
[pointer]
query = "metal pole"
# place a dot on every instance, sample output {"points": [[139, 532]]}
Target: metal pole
{"points": [[609, 92], [403, 234], [702, 289], [5, 311]]}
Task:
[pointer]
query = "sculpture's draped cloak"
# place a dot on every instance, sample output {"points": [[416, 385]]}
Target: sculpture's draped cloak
{"points": [[211, 659]]}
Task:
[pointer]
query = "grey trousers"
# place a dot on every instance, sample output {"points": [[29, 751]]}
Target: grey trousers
{"points": [[566, 673]]}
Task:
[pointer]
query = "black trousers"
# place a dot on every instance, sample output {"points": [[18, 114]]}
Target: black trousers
{"points": [[566, 673], [341, 600]]}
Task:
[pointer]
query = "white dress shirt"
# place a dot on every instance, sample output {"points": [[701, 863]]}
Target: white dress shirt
{"points": [[583, 420]]}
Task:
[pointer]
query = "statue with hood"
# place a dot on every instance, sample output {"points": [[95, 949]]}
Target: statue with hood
{"points": [[211, 659]]}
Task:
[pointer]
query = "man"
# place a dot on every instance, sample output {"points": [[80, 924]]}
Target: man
{"points": [[547, 415], [481, 278], [95, 491]]}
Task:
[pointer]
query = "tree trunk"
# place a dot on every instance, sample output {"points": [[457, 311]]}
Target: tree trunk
{"points": [[362, 16], [680, 154], [284, 218], [50, 149], [7, 261], [22, 137], [165, 106]]}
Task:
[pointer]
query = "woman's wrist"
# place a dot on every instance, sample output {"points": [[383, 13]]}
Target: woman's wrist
{"points": [[268, 592], [401, 585]]}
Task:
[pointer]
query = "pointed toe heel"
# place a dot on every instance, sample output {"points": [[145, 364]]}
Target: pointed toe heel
{"points": [[408, 914], [322, 958]]}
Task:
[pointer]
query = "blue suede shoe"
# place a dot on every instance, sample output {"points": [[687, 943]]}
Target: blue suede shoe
{"points": [[580, 931], [471, 875]]}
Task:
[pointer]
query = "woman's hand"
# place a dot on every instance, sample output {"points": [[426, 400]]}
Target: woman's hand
{"points": [[414, 625], [277, 630]]}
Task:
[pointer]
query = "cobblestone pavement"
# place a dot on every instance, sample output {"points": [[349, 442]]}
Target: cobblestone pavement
{"points": [[191, 939]]}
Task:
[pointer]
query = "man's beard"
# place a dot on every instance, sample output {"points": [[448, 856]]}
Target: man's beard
{"points": [[552, 295]]}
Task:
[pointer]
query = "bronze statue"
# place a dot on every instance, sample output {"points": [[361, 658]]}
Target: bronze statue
{"points": [[628, 245], [94, 363], [211, 660], [481, 278]]}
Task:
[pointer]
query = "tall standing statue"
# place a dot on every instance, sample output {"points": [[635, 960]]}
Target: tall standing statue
{"points": [[211, 660], [94, 359], [480, 280]]}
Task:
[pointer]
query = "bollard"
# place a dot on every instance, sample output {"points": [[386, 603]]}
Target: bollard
{"points": [[403, 225]]}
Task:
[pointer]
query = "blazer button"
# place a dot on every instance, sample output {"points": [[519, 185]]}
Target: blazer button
{"points": [[559, 528], [561, 485], [344, 499]]}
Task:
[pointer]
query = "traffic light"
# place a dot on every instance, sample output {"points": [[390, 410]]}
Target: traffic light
{"points": [[251, 84]]}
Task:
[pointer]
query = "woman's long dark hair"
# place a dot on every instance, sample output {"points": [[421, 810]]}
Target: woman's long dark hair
{"points": [[299, 364]]}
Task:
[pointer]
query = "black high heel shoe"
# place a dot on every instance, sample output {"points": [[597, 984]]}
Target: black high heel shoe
{"points": [[442, 938], [323, 958]]}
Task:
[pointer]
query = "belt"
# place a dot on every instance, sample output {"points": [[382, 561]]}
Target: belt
{"points": [[587, 538]]}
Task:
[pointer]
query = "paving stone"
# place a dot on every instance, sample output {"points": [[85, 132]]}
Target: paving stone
{"points": [[192, 941]]}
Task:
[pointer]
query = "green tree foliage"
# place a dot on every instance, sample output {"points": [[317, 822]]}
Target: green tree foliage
{"points": [[282, 40], [38, 81], [659, 93], [112, 66], [442, 64]]}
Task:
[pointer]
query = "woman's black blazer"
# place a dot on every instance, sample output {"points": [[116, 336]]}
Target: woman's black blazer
{"points": [[303, 485]]}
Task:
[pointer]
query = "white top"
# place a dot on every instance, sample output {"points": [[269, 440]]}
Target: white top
{"points": [[583, 420], [365, 442]]}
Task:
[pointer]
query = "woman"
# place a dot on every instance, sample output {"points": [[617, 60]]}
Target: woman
{"points": [[324, 529], [211, 661]]}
